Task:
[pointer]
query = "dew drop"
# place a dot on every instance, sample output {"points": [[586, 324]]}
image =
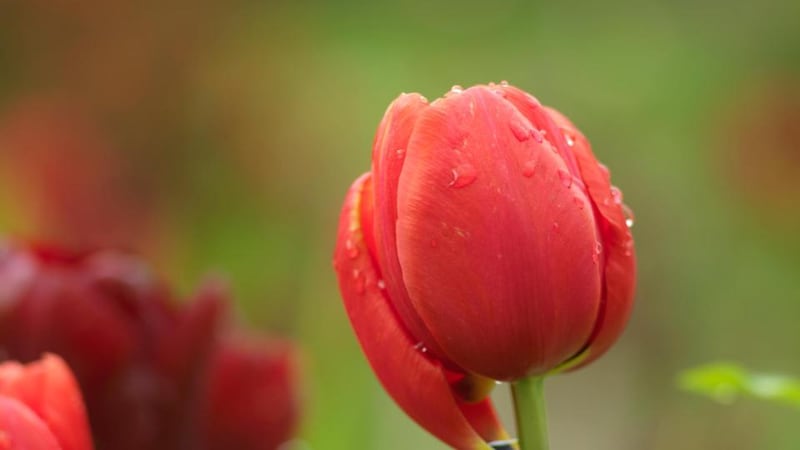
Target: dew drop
{"points": [[616, 194], [629, 217], [537, 136], [381, 285], [565, 177], [604, 169], [456, 89], [360, 282], [463, 175], [521, 132], [569, 139], [555, 227], [529, 168], [400, 153], [352, 250], [578, 202]]}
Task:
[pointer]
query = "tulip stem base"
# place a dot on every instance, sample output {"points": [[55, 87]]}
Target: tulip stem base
{"points": [[531, 414]]}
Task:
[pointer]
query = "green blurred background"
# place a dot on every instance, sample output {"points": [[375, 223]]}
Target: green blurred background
{"points": [[226, 133]]}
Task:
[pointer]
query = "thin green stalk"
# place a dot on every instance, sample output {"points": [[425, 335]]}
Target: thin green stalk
{"points": [[531, 414]]}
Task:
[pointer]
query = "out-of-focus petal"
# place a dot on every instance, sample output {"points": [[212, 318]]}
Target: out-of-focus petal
{"points": [[494, 230], [22, 429], [418, 383], [48, 388], [252, 401]]}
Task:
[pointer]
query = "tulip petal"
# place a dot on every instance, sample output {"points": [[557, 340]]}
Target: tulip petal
{"points": [[484, 240], [619, 256], [48, 388], [418, 383], [388, 155], [22, 429]]}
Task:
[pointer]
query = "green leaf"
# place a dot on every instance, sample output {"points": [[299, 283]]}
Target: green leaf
{"points": [[725, 382]]}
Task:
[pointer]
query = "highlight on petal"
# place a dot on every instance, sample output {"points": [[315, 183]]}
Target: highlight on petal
{"points": [[48, 389], [498, 261], [619, 259], [418, 383]]}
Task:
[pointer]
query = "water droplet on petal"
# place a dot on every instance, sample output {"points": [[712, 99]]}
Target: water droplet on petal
{"points": [[537, 136], [360, 282], [381, 284], [529, 168], [463, 175], [629, 217], [352, 250], [401, 153], [456, 89], [569, 139], [616, 194], [565, 177], [555, 227], [521, 131], [578, 202], [604, 169]]}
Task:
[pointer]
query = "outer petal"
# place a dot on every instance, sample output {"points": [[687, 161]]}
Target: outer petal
{"points": [[496, 240], [618, 249], [22, 429], [388, 155], [48, 388], [252, 396], [416, 382]]}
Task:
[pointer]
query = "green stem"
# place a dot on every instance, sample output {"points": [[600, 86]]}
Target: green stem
{"points": [[531, 414]]}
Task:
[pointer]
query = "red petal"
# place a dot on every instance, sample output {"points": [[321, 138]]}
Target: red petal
{"points": [[416, 382], [620, 259], [22, 429], [498, 260], [252, 395], [48, 388], [388, 156]]}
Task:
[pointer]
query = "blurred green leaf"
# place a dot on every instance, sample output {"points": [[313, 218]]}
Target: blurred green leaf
{"points": [[725, 382]]}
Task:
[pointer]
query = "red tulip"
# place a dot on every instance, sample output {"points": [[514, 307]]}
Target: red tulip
{"points": [[486, 243], [41, 407]]}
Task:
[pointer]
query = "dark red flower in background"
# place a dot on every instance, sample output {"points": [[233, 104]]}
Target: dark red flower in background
{"points": [[41, 407], [149, 366]]}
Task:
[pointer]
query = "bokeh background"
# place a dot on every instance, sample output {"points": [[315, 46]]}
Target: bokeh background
{"points": [[221, 137]]}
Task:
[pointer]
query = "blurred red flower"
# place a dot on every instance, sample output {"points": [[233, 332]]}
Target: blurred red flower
{"points": [[41, 407], [148, 365]]}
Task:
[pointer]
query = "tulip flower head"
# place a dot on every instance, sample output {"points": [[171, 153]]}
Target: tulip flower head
{"points": [[486, 243]]}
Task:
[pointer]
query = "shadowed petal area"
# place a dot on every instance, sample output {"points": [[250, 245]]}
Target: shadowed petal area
{"points": [[49, 390], [418, 384], [496, 239], [618, 250]]}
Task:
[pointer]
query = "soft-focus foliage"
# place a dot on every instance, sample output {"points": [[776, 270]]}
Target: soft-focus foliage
{"points": [[243, 122], [725, 382]]}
